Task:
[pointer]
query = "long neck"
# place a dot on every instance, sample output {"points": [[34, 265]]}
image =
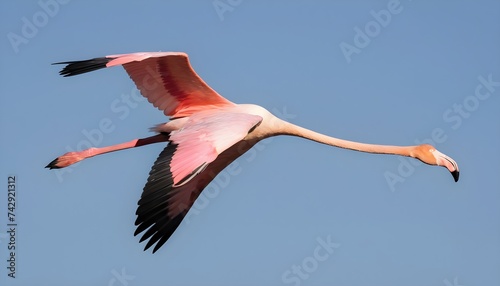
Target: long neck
{"points": [[294, 130]]}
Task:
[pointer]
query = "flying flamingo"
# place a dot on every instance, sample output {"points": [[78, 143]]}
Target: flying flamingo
{"points": [[206, 132]]}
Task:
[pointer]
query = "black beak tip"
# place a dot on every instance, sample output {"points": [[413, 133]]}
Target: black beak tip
{"points": [[455, 175]]}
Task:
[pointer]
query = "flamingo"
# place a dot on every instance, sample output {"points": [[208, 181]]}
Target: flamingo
{"points": [[204, 134]]}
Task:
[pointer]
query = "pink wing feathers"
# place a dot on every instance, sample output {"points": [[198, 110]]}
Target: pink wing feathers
{"points": [[184, 169], [166, 79], [203, 138]]}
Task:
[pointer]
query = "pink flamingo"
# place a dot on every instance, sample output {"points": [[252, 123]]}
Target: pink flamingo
{"points": [[206, 132]]}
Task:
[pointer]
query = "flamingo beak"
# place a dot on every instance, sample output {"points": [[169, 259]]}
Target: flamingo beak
{"points": [[448, 163], [455, 175]]}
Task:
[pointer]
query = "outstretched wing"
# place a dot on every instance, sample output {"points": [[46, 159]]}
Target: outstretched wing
{"points": [[184, 168], [166, 79]]}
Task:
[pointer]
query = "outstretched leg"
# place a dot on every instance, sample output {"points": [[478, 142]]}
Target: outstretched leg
{"points": [[73, 157]]}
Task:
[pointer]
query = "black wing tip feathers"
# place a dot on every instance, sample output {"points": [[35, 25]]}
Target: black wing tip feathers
{"points": [[152, 220], [78, 67], [53, 164], [160, 236]]}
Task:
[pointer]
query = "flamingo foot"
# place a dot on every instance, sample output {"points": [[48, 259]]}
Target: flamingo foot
{"points": [[65, 160]]}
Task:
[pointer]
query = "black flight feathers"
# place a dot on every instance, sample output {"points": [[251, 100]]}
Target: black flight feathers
{"points": [[152, 213], [79, 67]]}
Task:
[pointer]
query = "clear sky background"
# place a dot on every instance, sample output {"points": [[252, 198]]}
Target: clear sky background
{"points": [[410, 78]]}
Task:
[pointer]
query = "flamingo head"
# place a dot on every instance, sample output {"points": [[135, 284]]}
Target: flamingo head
{"points": [[429, 155]]}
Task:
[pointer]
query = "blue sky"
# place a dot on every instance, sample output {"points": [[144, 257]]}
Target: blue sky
{"points": [[291, 212]]}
